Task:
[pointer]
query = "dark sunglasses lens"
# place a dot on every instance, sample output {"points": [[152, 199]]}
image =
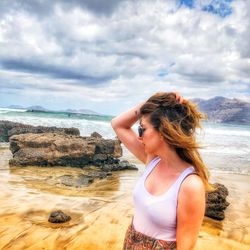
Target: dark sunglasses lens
{"points": [[140, 131]]}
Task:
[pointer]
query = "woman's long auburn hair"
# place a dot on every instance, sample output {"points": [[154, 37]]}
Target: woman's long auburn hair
{"points": [[177, 123]]}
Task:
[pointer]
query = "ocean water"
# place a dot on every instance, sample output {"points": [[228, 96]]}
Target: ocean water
{"points": [[225, 147]]}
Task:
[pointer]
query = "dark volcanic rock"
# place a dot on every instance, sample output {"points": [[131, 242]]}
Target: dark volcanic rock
{"points": [[95, 134], [121, 165], [58, 217], [7, 129], [49, 149], [216, 202]]}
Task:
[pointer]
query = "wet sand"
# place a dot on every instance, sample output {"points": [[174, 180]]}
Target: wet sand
{"points": [[234, 231], [100, 213]]}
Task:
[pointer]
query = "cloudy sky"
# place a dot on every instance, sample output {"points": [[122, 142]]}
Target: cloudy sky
{"points": [[109, 55]]}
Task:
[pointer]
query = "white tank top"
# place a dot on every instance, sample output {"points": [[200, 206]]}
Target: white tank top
{"points": [[155, 216]]}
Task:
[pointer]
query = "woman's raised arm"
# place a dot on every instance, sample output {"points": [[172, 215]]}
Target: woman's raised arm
{"points": [[122, 126]]}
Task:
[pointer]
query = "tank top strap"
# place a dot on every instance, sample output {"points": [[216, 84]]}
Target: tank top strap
{"points": [[181, 178], [150, 166]]}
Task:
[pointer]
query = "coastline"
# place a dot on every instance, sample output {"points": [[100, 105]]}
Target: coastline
{"points": [[101, 214]]}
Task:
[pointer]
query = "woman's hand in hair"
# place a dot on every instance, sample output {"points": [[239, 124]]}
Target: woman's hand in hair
{"points": [[179, 98]]}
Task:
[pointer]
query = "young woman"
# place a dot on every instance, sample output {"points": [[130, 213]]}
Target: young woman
{"points": [[169, 198]]}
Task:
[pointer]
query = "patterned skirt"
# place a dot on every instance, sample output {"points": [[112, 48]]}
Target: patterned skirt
{"points": [[137, 241]]}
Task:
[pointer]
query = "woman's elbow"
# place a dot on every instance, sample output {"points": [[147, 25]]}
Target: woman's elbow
{"points": [[113, 123], [186, 244], [185, 247]]}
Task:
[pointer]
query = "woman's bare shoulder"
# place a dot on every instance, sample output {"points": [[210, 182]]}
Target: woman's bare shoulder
{"points": [[193, 184]]}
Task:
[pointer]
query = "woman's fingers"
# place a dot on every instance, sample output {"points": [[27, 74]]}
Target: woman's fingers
{"points": [[179, 98]]}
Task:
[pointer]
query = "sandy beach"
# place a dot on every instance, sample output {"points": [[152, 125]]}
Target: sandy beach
{"points": [[100, 213]]}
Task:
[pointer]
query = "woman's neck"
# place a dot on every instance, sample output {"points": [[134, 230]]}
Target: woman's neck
{"points": [[171, 160]]}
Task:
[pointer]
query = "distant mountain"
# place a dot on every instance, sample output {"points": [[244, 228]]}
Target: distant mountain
{"points": [[37, 108], [81, 111], [225, 110]]}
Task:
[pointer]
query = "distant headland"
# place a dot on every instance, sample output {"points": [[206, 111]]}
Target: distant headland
{"points": [[224, 110], [218, 109], [37, 108]]}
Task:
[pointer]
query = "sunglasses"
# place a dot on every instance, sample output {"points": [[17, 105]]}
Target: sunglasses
{"points": [[140, 131]]}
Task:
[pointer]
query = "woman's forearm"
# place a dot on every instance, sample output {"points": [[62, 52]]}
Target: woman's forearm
{"points": [[127, 119]]}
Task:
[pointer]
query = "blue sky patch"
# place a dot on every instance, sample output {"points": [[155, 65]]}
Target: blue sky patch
{"points": [[221, 8], [188, 3], [162, 73]]}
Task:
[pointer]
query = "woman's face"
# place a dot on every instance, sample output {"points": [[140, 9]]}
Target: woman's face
{"points": [[151, 138]]}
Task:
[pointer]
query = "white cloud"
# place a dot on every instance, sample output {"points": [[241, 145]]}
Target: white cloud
{"points": [[121, 58]]}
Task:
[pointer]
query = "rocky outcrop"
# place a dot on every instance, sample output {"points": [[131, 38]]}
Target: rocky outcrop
{"points": [[52, 149], [7, 129], [58, 216], [216, 202], [224, 110]]}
